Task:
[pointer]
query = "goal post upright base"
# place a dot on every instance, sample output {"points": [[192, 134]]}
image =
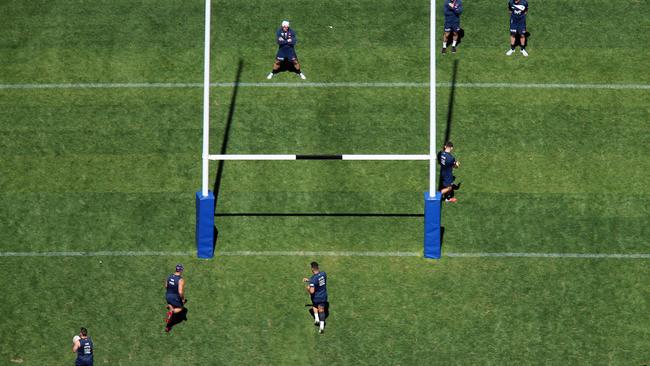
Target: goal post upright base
{"points": [[205, 225], [432, 227]]}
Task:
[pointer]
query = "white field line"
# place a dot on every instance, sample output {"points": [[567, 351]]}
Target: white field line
{"points": [[249, 253], [328, 85]]}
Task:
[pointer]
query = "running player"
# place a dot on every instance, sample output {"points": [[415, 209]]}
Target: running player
{"points": [[286, 39], [317, 289], [447, 163], [175, 296]]}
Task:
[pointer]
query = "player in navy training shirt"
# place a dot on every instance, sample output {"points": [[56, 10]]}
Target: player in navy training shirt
{"points": [[518, 10], [447, 164], [452, 11], [175, 296], [286, 39], [83, 347], [317, 289]]}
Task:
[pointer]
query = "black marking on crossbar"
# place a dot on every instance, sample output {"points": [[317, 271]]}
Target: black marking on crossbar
{"points": [[319, 157]]}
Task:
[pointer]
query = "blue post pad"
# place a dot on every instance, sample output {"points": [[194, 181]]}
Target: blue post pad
{"points": [[205, 225], [432, 220]]}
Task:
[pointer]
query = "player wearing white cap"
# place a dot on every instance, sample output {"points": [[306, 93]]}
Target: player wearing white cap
{"points": [[286, 39]]}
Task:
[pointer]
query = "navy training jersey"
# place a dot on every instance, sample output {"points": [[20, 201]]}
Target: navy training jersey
{"points": [[518, 11], [85, 350], [284, 42], [319, 283], [172, 284], [453, 14], [446, 161]]}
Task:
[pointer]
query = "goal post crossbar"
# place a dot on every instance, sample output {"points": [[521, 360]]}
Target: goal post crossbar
{"points": [[252, 157]]}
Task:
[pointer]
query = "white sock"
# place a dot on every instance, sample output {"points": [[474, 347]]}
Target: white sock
{"points": [[322, 325], [316, 317], [444, 44], [453, 44]]}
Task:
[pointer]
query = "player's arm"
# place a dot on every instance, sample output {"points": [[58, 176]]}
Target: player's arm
{"points": [[278, 36], [75, 346], [292, 37], [181, 288], [311, 287], [458, 7]]}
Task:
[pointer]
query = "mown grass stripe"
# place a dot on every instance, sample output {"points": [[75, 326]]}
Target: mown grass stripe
{"points": [[299, 253], [327, 85]]}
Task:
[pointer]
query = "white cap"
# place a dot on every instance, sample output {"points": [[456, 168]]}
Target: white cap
{"points": [[285, 23]]}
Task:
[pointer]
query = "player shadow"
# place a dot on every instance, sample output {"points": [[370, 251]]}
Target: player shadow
{"points": [[287, 65], [226, 137], [177, 319]]}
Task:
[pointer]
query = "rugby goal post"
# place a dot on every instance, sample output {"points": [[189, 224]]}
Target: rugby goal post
{"points": [[205, 199]]}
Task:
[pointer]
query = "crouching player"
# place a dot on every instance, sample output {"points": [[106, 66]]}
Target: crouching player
{"points": [[317, 289], [175, 296], [447, 163], [286, 39]]}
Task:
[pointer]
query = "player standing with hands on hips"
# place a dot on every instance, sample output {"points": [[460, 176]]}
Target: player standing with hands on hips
{"points": [[317, 290], [452, 11], [286, 39], [82, 345], [518, 10]]}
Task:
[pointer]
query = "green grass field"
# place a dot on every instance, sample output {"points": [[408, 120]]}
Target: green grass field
{"points": [[544, 170]]}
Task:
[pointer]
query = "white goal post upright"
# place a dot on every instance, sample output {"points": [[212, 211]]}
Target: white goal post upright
{"points": [[432, 198], [206, 102], [205, 201], [432, 101]]}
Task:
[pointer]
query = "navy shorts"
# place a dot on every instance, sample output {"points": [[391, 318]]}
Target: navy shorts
{"points": [[286, 53], [82, 362], [452, 27], [174, 301], [447, 181], [318, 303], [518, 28]]}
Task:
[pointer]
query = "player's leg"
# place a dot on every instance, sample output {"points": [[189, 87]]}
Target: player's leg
{"points": [[321, 315], [296, 64], [522, 41], [445, 38], [314, 311], [455, 38], [276, 68], [513, 41]]}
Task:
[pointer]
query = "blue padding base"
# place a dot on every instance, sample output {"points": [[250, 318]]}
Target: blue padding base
{"points": [[205, 225], [432, 220]]}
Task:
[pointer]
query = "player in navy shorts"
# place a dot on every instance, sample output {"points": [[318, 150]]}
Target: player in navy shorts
{"points": [[286, 39], [452, 11], [317, 289], [518, 11], [175, 296], [447, 164]]}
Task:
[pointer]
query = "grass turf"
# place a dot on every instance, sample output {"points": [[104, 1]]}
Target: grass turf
{"points": [[115, 169]]}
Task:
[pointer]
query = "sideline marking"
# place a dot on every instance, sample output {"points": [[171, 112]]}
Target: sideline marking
{"points": [[327, 85], [253, 253]]}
